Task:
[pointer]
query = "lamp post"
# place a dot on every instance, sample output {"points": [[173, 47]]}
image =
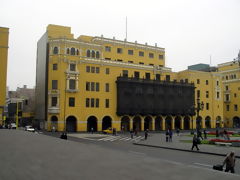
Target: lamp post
{"points": [[199, 107]]}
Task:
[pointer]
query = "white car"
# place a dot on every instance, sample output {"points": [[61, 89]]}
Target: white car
{"points": [[29, 128], [13, 126]]}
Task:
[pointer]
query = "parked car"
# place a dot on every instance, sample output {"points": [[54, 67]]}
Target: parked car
{"points": [[13, 126], [108, 131], [29, 128]]}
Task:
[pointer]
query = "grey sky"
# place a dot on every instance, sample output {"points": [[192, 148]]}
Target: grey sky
{"points": [[189, 30]]}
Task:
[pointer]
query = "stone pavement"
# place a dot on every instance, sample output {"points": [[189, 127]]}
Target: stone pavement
{"points": [[158, 140]]}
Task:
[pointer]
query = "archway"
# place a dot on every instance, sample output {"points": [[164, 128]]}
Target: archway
{"points": [[106, 122], [125, 123], [168, 122], [199, 122], [137, 123], [177, 124], [147, 123], [218, 122], [208, 122], [158, 123], [71, 123], [92, 123], [186, 122], [54, 123], [236, 122]]}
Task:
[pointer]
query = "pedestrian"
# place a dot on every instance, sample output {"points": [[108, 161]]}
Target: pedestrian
{"points": [[167, 135], [195, 142], [92, 130], [217, 133], [230, 162], [178, 131], [205, 133], [170, 135], [199, 134], [146, 134], [135, 132], [131, 133], [225, 134]]}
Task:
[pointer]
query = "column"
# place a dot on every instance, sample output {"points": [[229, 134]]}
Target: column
{"points": [[173, 123], [182, 123], [99, 125], [131, 123], [142, 123], [153, 124], [163, 123]]}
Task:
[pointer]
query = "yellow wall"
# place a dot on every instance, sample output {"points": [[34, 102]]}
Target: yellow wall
{"points": [[3, 67]]}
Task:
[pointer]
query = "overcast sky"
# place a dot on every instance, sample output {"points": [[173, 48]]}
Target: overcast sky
{"points": [[189, 30]]}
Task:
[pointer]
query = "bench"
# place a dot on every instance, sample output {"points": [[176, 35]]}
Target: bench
{"points": [[223, 144], [236, 144]]}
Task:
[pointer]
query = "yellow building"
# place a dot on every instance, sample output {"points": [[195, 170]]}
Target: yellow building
{"points": [[3, 68], [97, 82]]}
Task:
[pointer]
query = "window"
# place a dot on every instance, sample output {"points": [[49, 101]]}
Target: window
{"points": [[92, 69], [71, 102], [54, 101], [92, 102], [130, 52], [141, 53], [97, 102], [97, 55], [136, 74], [88, 53], [55, 50], [97, 70], [207, 94], [93, 54], [106, 103], [207, 106], [141, 63], [147, 75], [92, 86], [54, 84], [72, 67], [226, 77], [77, 52], [107, 87], [151, 64], [218, 95], [130, 61], [72, 51], [107, 58], [68, 51], [87, 68], [198, 81], [151, 55], [97, 86], [87, 86], [186, 80], [26, 102], [198, 93], [72, 84], [158, 77], [125, 73], [87, 102], [227, 97], [226, 88], [235, 107], [217, 83], [119, 60], [206, 82], [235, 95], [55, 67], [228, 107], [160, 56], [119, 50], [107, 71], [108, 48]]}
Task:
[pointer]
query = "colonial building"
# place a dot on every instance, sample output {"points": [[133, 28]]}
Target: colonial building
{"points": [[97, 82], [3, 69]]}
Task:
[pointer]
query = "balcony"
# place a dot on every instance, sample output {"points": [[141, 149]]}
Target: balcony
{"points": [[72, 90], [227, 100], [53, 110], [53, 91]]}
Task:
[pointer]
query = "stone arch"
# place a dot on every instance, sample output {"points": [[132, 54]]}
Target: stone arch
{"points": [[158, 123], [71, 124], [218, 121], [168, 122], [208, 122], [93, 54], [106, 122], [236, 122], [199, 122], [148, 123], [186, 122], [137, 125], [92, 123], [88, 53], [177, 124], [125, 123]]}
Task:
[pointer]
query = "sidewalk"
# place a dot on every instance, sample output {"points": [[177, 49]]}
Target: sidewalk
{"points": [[158, 140]]}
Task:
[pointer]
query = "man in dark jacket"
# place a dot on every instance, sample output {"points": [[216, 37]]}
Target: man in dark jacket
{"points": [[195, 142], [230, 162]]}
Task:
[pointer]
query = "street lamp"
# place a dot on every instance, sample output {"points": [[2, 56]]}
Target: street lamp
{"points": [[199, 107]]}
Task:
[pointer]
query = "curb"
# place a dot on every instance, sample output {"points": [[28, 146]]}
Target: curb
{"points": [[186, 150]]}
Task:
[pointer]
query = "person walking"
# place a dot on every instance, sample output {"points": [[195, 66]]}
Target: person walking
{"points": [[230, 162], [167, 135], [205, 133], [146, 134], [199, 134], [170, 135], [131, 133], [195, 142], [92, 130], [178, 131]]}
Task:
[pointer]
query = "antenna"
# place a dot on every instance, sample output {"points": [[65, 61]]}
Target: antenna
{"points": [[126, 28]]}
